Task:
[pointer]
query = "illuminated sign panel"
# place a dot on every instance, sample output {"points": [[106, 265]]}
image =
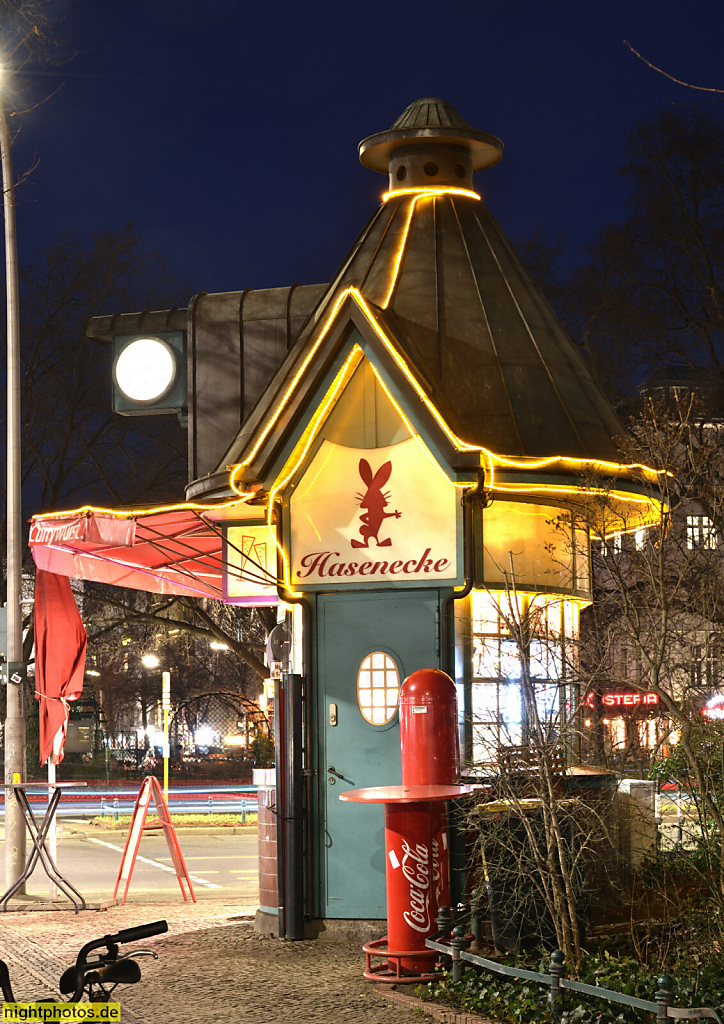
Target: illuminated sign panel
{"points": [[621, 700], [714, 708], [373, 515], [250, 561]]}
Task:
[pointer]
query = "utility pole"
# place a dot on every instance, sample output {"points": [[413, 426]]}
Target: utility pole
{"points": [[15, 715]]}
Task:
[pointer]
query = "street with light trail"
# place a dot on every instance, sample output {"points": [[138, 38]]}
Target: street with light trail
{"points": [[221, 862], [96, 801]]}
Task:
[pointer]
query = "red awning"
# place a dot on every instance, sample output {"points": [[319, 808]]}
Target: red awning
{"points": [[176, 551]]}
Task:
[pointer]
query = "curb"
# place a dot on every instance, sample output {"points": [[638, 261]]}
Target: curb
{"points": [[203, 829], [39, 905], [441, 1013]]}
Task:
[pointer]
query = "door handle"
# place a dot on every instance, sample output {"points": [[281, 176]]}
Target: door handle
{"points": [[333, 771]]}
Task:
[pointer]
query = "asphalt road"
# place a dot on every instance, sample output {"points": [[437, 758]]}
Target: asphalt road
{"points": [[221, 864]]}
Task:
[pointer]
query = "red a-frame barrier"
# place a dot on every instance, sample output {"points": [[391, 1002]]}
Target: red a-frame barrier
{"points": [[150, 788]]}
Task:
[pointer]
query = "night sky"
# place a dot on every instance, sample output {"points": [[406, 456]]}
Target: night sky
{"points": [[227, 131]]}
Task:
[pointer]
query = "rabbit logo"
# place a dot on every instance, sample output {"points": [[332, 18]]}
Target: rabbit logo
{"points": [[374, 502]]}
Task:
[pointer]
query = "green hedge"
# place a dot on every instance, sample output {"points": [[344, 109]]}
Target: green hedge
{"points": [[696, 983]]}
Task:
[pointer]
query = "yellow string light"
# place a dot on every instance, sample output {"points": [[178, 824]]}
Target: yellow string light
{"points": [[401, 248], [138, 513], [488, 458], [301, 450], [430, 190], [414, 433], [491, 458]]}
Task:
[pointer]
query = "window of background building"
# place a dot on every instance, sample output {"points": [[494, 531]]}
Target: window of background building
{"points": [[704, 663], [700, 532], [614, 544]]}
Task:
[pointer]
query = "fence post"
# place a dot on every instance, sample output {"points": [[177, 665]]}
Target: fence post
{"points": [[103, 807], [664, 997], [243, 812], [558, 970], [211, 805], [458, 943], [115, 808], [475, 922], [443, 923]]}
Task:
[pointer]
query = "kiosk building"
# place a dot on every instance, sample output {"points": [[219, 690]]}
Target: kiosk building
{"points": [[398, 458]]}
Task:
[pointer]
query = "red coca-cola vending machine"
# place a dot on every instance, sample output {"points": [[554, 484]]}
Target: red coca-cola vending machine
{"points": [[416, 833]]}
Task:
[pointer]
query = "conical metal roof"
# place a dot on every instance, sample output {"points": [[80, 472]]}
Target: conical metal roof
{"points": [[449, 291], [430, 112], [499, 366]]}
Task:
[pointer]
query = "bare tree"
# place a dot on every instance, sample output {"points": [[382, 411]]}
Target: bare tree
{"points": [[660, 600], [537, 839]]}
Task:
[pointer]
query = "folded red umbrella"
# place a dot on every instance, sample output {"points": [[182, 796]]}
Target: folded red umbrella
{"points": [[60, 646]]}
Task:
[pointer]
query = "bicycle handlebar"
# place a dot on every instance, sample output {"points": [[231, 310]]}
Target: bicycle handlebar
{"points": [[143, 931]]}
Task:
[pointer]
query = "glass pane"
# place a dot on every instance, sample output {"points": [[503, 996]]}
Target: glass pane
{"points": [[485, 702], [486, 663], [546, 698], [509, 660], [539, 535], [378, 688], [511, 715], [570, 619], [485, 613], [485, 744]]}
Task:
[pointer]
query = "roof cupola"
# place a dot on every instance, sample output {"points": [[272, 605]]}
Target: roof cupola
{"points": [[430, 145]]}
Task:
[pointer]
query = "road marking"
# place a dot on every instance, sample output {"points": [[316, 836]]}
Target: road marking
{"points": [[206, 858], [156, 864]]}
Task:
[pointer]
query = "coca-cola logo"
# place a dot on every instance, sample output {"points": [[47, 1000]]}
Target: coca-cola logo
{"points": [[416, 869], [436, 871]]}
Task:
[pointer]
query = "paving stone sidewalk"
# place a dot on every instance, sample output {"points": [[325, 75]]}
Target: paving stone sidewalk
{"points": [[212, 968]]}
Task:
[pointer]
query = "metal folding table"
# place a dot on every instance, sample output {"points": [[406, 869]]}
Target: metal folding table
{"points": [[38, 834]]}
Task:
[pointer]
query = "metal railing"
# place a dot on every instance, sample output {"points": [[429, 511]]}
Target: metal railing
{"points": [[456, 947]]}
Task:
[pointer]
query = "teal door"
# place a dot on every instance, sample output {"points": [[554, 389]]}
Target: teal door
{"points": [[402, 626]]}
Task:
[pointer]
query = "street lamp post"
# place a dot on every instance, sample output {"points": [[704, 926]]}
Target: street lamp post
{"points": [[15, 715], [166, 708], [148, 661], [151, 661]]}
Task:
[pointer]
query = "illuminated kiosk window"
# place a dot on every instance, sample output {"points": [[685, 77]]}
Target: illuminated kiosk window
{"points": [[378, 688], [550, 624], [547, 544]]}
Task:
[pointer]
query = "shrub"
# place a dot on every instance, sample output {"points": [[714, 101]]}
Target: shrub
{"points": [[697, 982]]}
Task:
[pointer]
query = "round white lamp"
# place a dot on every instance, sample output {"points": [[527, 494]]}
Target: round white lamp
{"points": [[145, 370]]}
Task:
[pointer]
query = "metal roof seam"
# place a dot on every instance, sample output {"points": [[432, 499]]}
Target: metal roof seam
{"points": [[487, 321], [534, 342]]}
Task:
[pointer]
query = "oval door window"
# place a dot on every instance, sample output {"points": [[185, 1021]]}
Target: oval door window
{"points": [[378, 688]]}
